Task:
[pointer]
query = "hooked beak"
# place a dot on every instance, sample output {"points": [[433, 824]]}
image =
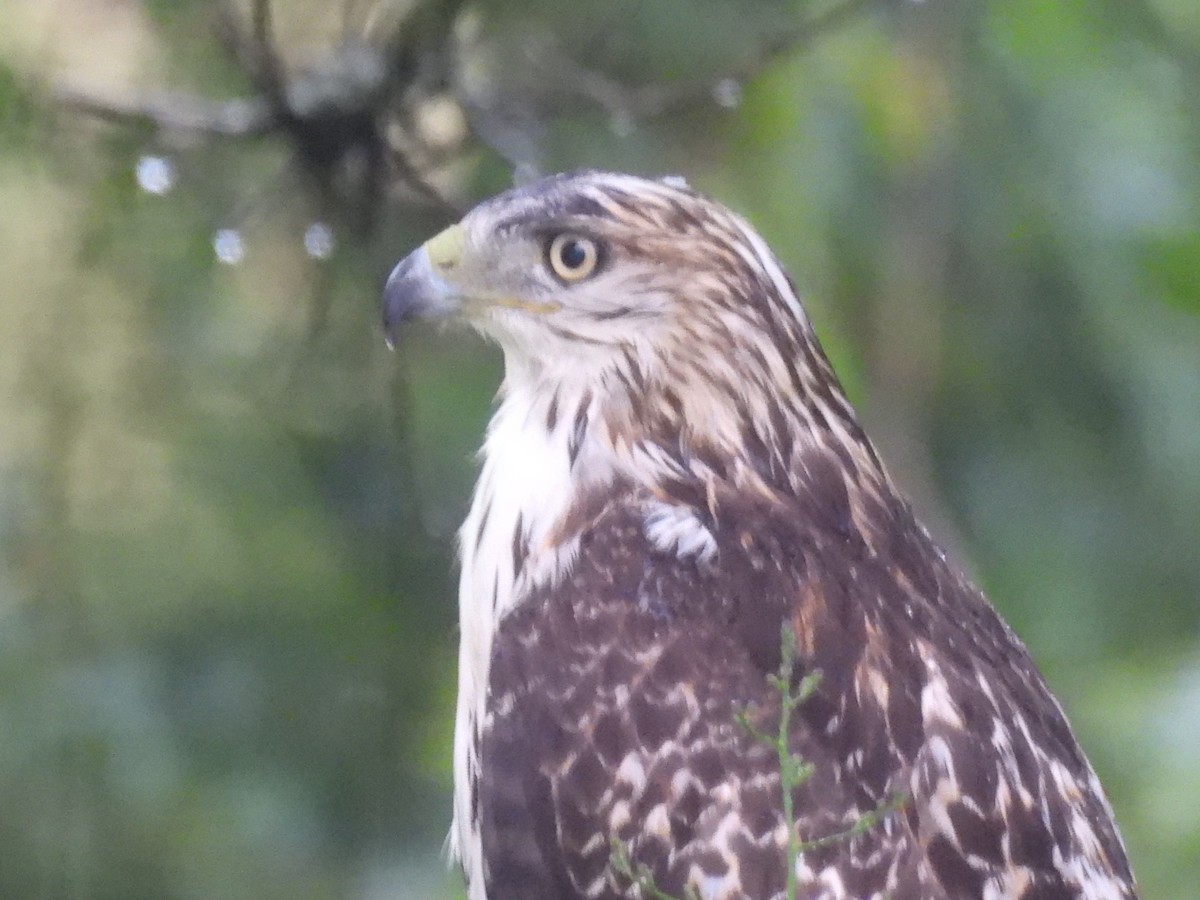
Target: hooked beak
{"points": [[420, 287], [417, 287]]}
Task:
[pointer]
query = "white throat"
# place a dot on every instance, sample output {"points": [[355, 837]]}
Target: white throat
{"points": [[548, 446], [509, 547]]}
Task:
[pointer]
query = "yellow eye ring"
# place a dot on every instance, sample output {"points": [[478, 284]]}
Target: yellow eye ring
{"points": [[572, 257]]}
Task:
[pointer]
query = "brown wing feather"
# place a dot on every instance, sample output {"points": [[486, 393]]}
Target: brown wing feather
{"points": [[614, 699]]}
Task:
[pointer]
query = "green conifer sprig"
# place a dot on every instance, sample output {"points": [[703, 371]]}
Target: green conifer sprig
{"points": [[794, 771]]}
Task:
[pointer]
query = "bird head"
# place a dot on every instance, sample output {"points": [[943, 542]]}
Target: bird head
{"points": [[640, 291], [593, 266]]}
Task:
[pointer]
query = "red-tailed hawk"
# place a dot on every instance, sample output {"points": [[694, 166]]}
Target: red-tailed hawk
{"points": [[673, 479]]}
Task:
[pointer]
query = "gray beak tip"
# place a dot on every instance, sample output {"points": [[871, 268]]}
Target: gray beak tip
{"points": [[414, 291]]}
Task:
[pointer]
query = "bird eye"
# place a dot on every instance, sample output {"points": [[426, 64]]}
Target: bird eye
{"points": [[572, 257]]}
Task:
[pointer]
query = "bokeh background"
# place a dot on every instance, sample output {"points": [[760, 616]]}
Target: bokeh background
{"points": [[227, 617]]}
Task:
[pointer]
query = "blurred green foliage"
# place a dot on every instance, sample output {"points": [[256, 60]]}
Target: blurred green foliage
{"points": [[227, 616]]}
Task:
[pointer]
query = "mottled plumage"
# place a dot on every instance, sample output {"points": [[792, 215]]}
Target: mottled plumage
{"points": [[673, 475]]}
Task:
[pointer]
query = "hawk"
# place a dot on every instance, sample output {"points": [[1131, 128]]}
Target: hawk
{"points": [[673, 479]]}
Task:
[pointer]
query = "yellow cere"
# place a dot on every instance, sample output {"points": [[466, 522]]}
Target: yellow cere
{"points": [[445, 252], [445, 249]]}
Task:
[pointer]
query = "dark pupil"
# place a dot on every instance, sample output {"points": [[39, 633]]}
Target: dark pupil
{"points": [[573, 254]]}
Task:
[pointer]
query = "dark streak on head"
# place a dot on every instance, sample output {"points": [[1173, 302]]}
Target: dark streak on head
{"points": [[617, 312], [634, 368], [520, 545], [578, 428], [673, 401], [483, 520], [566, 334]]}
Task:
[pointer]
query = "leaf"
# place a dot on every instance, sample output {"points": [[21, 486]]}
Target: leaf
{"points": [[1172, 265]]}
